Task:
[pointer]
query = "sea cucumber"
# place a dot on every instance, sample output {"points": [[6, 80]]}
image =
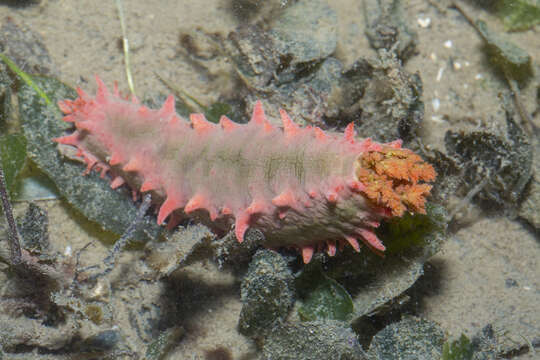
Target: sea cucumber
{"points": [[301, 187]]}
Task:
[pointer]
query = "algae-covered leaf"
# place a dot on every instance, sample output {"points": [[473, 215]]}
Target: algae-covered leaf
{"points": [[411, 338], [327, 300], [13, 157], [512, 60], [267, 294], [313, 340], [518, 15], [91, 195], [460, 349]]}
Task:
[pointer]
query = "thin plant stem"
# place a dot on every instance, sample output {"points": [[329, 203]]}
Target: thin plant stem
{"points": [[125, 43]]}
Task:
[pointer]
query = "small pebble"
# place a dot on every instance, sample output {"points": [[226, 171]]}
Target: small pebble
{"points": [[437, 119], [424, 22], [440, 74], [436, 103]]}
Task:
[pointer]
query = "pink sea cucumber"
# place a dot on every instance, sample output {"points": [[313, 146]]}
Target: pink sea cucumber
{"points": [[301, 187]]}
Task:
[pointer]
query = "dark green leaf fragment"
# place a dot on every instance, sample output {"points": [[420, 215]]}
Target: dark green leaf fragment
{"points": [[327, 300], [461, 349], [13, 157], [214, 112]]}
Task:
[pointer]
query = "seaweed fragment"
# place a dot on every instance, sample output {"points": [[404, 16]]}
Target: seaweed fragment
{"points": [[514, 62], [486, 344], [502, 163], [518, 15], [460, 349]]}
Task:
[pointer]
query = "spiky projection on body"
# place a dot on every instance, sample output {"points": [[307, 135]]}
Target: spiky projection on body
{"points": [[301, 187]]}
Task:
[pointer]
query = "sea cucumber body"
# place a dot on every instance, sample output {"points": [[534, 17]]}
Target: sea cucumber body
{"points": [[299, 186]]}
